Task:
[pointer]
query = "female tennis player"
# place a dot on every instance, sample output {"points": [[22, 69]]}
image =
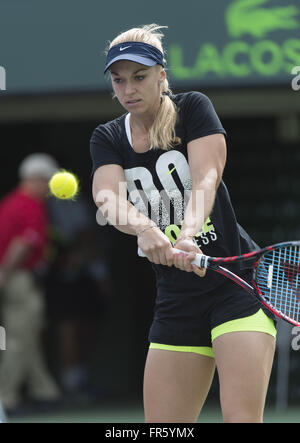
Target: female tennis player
{"points": [[170, 152]]}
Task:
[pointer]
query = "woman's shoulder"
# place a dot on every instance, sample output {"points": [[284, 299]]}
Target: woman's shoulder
{"points": [[112, 126], [111, 130], [189, 98]]}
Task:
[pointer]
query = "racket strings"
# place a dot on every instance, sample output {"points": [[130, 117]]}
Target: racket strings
{"points": [[278, 279]]}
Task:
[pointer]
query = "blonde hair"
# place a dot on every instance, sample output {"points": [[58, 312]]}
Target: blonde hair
{"points": [[162, 132]]}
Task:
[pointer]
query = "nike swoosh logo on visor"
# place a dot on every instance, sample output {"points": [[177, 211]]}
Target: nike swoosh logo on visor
{"points": [[125, 47]]}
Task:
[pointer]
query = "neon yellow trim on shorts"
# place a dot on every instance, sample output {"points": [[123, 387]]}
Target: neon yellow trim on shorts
{"points": [[201, 350], [258, 322]]}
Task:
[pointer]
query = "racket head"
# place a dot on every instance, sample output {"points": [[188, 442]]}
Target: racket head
{"points": [[277, 280]]}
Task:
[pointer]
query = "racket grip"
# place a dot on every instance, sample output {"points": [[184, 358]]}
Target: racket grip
{"points": [[200, 259]]}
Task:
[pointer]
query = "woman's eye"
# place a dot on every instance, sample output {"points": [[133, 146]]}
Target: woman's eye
{"points": [[140, 77], [117, 80]]}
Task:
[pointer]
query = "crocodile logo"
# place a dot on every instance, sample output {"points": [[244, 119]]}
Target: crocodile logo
{"points": [[249, 17]]}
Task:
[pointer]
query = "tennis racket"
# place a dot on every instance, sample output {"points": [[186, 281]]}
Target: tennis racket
{"points": [[276, 276]]}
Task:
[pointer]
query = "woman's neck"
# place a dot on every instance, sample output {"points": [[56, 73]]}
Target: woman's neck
{"points": [[143, 123]]}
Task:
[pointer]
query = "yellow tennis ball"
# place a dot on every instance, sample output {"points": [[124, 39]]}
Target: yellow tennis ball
{"points": [[63, 185]]}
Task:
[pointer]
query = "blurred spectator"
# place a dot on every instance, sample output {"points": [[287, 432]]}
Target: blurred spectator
{"points": [[78, 289], [23, 242]]}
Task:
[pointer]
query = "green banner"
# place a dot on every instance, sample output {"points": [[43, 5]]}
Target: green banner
{"points": [[59, 45], [261, 44]]}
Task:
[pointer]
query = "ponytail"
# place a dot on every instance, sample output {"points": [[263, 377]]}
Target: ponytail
{"points": [[162, 132]]}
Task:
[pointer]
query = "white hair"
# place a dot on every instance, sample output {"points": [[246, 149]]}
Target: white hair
{"points": [[38, 165]]}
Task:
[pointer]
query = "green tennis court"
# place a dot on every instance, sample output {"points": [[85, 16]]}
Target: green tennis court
{"points": [[135, 415]]}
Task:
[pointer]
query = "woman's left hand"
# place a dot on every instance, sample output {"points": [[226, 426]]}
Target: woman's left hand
{"points": [[184, 261]]}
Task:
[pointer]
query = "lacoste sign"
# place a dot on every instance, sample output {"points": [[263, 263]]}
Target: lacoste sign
{"points": [[249, 17], [260, 41]]}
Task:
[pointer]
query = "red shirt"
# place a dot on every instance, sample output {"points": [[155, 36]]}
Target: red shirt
{"points": [[23, 216]]}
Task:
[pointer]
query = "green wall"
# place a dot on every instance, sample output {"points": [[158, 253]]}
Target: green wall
{"points": [[58, 45]]}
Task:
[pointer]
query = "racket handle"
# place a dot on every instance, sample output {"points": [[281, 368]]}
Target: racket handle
{"points": [[200, 259]]}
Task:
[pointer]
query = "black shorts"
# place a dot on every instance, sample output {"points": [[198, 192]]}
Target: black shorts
{"points": [[188, 319]]}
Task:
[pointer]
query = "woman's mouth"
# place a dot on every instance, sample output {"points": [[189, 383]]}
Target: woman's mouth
{"points": [[132, 102]]}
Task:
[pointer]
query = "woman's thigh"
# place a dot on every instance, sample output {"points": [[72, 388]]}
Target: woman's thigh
{"points": [[244, 362], [176, 385]]}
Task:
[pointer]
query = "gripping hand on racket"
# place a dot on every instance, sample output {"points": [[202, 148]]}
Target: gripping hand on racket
{"points": [[184, 261], [155, 245]]}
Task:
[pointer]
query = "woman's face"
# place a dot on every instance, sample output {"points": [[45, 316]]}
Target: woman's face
{"points": [[137, 87]]}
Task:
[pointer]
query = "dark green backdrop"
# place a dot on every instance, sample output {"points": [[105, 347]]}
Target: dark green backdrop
{"points": [[59, 45]]}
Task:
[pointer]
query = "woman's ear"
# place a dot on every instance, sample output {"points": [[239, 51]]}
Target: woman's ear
{"points": [[162, 75]]}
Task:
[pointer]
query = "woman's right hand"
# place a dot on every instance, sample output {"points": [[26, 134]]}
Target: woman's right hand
{"points": [[156, 246]]}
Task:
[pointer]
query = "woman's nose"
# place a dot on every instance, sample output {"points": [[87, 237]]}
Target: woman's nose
{"points": [[129, 88]]}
